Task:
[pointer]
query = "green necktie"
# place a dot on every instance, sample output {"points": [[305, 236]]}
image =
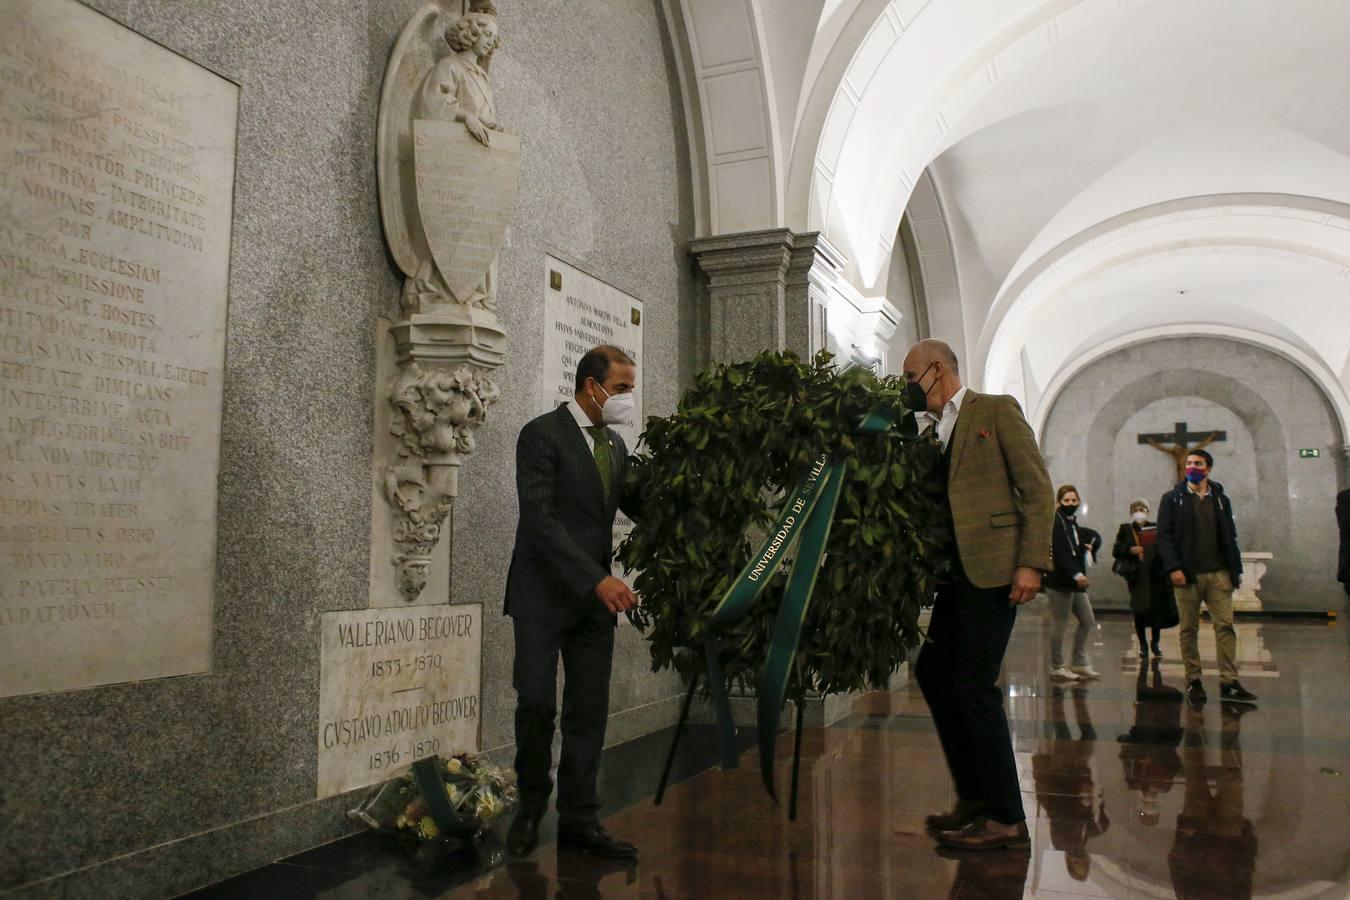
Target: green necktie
{"points": [[600, 447]]}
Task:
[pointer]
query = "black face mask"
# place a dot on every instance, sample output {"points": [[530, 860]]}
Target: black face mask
{"points": [[916, 398], [1069, 509]]}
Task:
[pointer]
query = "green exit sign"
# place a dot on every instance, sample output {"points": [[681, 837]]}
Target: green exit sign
{"points": [[1309, 454]]}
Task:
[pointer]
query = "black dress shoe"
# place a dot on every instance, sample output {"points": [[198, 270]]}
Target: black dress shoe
{"points": [[1157, 650], [523, 835], [596, 841]]}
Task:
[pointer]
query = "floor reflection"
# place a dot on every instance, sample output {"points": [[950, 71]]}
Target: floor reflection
{"points": [[1148, 753], [1065, 791], [1214, 850], [1130, 792], [1254, 659]]}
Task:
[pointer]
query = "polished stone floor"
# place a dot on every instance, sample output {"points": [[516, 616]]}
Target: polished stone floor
{"points": [[1129, 792]]}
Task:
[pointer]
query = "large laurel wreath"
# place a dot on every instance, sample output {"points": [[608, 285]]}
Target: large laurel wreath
{"points": [[713, 477]]}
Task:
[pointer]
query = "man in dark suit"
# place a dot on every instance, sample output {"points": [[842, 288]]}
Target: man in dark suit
{"points": [[563, 600], [1002, 506]]}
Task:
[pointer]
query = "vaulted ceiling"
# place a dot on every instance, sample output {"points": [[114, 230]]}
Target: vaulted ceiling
{"points": [[1109, 171]]}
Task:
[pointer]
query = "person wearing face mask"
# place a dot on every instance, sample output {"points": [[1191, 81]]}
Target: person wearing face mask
{"points": [[1001, 506], [563, 601], [1197, 541], [1136, 560], [1067, 584]]}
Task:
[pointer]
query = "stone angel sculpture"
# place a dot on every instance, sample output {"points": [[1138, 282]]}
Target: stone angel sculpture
{"points": [[448, 171]]}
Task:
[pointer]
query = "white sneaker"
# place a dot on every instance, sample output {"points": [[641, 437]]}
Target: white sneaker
{"points": [[1085, 672], [1063, 674]]}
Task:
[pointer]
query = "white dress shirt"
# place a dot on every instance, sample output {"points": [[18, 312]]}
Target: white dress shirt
{"points": [[583, 420], [946, 423]]}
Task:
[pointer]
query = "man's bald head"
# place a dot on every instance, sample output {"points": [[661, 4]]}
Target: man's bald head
{"points": [[931, 350], [932, 364]]}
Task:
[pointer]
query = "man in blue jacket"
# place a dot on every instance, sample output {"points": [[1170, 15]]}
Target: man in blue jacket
{"points": [[1197, 542]]}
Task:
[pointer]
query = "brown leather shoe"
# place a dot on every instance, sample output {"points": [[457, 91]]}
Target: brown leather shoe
{"points": [[985, 834], [966, 811]]}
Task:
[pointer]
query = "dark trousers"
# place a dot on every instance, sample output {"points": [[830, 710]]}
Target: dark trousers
{"points": [[587, 650], [957, 671], [1140, 623]]}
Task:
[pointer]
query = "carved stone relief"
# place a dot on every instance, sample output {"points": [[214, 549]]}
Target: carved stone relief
{"points": [[448, 176]]}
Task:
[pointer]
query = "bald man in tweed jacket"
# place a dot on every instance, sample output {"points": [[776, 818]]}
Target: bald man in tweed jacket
{"points": [[1002, 510]]}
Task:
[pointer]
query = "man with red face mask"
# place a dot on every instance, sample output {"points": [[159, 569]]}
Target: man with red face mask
{"points": [[1197, 542]]}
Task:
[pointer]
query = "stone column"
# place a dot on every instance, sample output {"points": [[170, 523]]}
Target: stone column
{"points": [[765, 291], [814, 273]]}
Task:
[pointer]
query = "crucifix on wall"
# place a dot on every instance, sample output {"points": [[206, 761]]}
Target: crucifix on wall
{"points": [[1181, 443]]}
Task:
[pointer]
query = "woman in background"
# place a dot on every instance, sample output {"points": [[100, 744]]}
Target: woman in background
{"points": [[1067, 585], [1151, 598]]}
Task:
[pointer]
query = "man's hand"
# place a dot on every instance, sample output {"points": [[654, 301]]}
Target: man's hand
{"points": [[1137, 551], [1178, 578], [616, 595], [1082, 582], [1026, 585]]}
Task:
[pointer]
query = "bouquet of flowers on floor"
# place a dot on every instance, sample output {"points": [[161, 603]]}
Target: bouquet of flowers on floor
{"points": [[477, 791]]}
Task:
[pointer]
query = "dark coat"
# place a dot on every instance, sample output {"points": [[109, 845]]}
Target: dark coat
{"points": [[1343, 522], [1150, 585], [1174, 532], [1069, 544], [565, 535]]}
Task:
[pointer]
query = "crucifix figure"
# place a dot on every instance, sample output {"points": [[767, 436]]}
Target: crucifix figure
{"points": [[1181, 443]]}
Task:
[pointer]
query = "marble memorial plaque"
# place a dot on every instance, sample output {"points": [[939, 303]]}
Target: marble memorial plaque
{"points": [[466, 193], [397, 685], [581, 312], [115, 210]]}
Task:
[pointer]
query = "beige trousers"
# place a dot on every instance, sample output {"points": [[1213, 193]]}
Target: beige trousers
{"points": [[1215, 589]]}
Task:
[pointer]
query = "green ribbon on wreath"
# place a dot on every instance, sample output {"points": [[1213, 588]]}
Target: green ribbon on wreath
{"points": [[806, 521]]}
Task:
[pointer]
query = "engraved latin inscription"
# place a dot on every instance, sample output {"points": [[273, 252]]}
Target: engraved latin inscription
{"points": [[115, 208]]}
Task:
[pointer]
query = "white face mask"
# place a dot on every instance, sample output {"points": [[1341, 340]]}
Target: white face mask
{"points": [[617, 408], [1139, 518]]}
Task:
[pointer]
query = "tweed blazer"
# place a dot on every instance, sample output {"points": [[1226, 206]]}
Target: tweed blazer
{"points": [[565, 533], [1003, 506]]}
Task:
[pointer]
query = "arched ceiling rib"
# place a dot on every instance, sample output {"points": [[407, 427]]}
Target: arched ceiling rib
{"points": [[1328, 381], [1279, 232], [1096, 158]]}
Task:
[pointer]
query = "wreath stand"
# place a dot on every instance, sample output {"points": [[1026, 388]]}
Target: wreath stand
{"points": [[679, 733]]}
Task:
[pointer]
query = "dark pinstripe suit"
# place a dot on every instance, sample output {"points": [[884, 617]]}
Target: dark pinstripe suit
{"points": [[564, 543]]}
